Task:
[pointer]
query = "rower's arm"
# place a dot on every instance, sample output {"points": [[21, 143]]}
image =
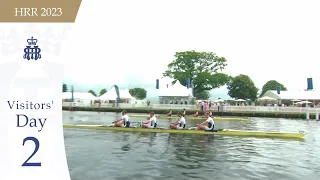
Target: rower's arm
{"points": [[204, 123], [175, 123], [147, 121], [118, 119]]}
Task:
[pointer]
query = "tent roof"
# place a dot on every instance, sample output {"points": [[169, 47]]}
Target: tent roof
{"points": [[290, 95], [109, 95], [124, 94], [112, 94], [176, 90], [78, 95]]}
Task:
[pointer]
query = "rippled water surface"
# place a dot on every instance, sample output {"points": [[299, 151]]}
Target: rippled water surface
{"points": [[104, 155]]}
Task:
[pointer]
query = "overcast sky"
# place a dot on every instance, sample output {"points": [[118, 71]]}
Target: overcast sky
{"points": [[129, 42]]}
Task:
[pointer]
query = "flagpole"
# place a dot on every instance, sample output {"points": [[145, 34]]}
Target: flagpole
{"points": [[72, 99]]}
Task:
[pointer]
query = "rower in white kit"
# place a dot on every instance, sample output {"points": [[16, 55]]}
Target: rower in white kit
{"points": [[151, 122], [124, 121], [180, 124], [207, 125]]}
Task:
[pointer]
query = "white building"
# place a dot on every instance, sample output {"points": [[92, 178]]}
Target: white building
{"points": [[175, 94], [286, 97], [80, 98]]}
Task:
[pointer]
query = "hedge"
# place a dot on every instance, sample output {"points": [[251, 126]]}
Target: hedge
{"points": [[189, 112]]}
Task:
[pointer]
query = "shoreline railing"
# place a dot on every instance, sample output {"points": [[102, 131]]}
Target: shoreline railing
{"points": [[224, 108]]}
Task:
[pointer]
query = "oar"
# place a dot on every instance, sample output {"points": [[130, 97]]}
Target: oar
{"points": [[215, 130], [111, 125], [137, 123]]}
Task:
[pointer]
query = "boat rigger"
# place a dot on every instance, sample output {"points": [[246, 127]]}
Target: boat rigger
{"points": [[196, 118], [223, 132]]}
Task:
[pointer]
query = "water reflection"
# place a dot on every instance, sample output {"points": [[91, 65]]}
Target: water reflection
{"points": [[183, 146], [126, 147], [138, 137]]}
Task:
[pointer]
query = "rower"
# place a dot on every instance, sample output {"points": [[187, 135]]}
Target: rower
{"points": [[151, 122], [180, 124], [169, 113], [124, 121], [207, 125]]}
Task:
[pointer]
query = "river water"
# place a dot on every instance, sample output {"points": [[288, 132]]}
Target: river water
{"points": [[105, 155]]}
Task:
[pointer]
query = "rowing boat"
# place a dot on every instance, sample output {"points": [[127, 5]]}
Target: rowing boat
{"points": [[196, 118], [224, 132]]}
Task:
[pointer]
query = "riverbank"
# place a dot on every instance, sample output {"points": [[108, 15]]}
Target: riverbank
{"points": [[217, 113]]}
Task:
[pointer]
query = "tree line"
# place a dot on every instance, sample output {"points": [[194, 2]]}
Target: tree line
{"points": [[205, 72]]}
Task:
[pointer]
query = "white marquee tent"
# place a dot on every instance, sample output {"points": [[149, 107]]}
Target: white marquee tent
{"points": [[83, 98], [288, 97], [78, 95], [176, 93], [176, 90], [112, 95], [291, 95], [124, 94], [165, 82]]}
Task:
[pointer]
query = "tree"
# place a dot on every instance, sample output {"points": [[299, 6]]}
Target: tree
{"points": [[242, 87], [64, 88], [203, 95], [102, 91], [138, 93], [272, 85], [92, 92], [202, 68]]}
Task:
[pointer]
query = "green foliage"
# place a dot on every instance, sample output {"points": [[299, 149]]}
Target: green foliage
{"points": [[272, 85], [242, 87], [102, 91], [204, 95], [138, 93], [202, 68], [64, 88], [193, 101], [92, 92]]}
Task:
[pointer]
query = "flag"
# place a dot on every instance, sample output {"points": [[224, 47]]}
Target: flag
{"points": [[157, 83], [278, 89], [72, 98], [118, 94], [188, 83], [310, 84]]}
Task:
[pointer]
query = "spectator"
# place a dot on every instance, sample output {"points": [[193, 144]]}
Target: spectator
{"points": [[201, 105]]}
